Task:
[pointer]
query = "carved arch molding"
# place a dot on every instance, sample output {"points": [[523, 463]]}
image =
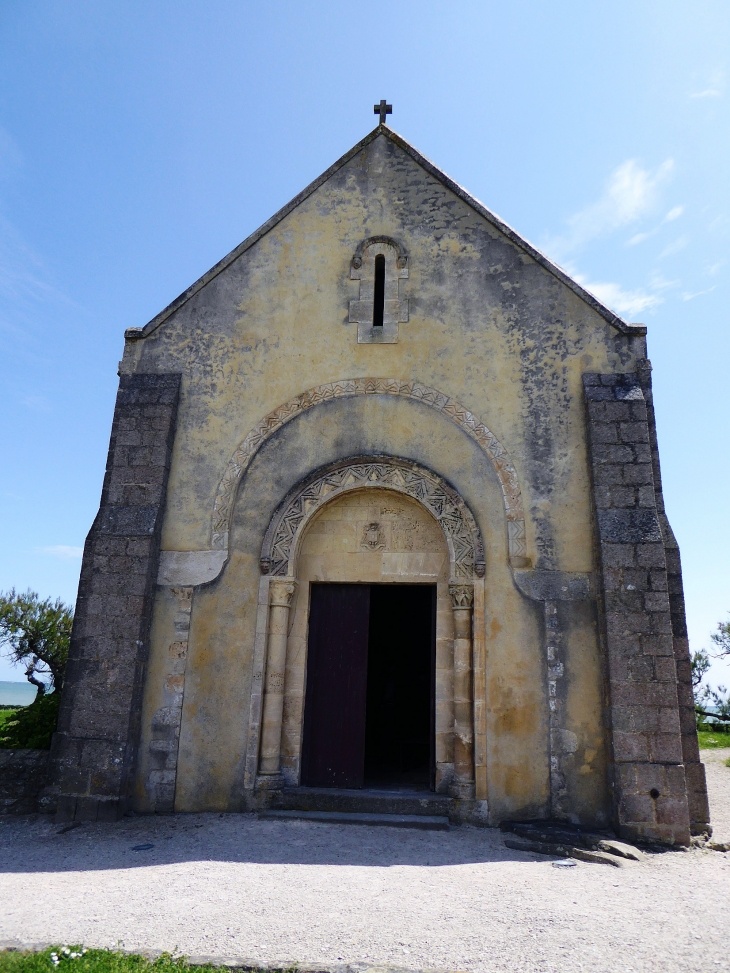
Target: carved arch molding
{"points": [[453, 410], [281, 543]]}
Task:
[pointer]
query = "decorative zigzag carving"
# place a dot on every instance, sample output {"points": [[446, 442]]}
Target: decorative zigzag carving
{"points": [[459, 415], [447, 507]]}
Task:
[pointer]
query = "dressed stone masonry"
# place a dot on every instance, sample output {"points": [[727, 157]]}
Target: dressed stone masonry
{"points": [[165, 723], [694, 770], [22, 781], [395, 310], [93, 753], [511, 466], [649, 771]]}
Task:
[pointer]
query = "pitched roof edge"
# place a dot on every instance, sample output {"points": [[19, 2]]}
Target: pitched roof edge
{"points": [[504, 228], [158, 319], [624, 326]]}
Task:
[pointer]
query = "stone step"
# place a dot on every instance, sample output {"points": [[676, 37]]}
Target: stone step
{"points": [[423, 822], [365, 801], [564, 851]]}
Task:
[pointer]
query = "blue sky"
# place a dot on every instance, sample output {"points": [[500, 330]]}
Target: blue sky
{"points": [[140, 142]]}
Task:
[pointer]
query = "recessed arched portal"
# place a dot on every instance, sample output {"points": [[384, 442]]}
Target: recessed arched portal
{"points": [[399, 531], [430, 397]]}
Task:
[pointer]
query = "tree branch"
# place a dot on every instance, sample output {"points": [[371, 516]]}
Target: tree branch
{"points": [[30, 676]]}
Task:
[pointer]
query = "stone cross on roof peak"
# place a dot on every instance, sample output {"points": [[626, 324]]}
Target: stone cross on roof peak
{"points": [[382, 109]]}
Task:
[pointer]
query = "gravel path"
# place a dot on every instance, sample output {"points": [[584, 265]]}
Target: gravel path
{"points": [[278, 892]]}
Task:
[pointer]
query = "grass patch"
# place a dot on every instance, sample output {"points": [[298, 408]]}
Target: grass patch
{"points": [[712, 740], [55, 960], [7, 714]]}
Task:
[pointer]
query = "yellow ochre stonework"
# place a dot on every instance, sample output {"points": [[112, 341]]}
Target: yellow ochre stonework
{"points": [[455, 450]]}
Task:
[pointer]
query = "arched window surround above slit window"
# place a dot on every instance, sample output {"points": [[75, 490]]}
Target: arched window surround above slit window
{"points": [[379, 264]]}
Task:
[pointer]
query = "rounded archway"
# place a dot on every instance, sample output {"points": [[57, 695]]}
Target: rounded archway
{"points": [[289, 523], [377, 521], [423, 394]]}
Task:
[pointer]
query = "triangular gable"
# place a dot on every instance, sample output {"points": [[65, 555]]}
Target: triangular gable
{"points": [[623, 326]]}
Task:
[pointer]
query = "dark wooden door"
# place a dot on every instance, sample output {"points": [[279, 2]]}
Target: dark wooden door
{"points": [[333, 751]]}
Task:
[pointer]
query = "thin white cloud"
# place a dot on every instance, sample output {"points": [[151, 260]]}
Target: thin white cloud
{"points": [[24, 283], [715, 87], [715, 268], [12, 496], [674, 247], [631, 192], [64, 551], [687, 296], [639, 238], [626, 303], [657, 282], [671, 216], [36, 403], [24, 278], [23, 275]]}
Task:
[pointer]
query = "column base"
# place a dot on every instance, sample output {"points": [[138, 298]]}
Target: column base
{"points": [[270, 783], [463, 790]]}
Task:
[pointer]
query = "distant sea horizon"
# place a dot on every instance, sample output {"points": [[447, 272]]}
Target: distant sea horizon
{"points": [[17, 693]]}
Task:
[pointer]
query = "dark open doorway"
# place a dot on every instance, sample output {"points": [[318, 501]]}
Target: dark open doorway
{"points": [[399, 713], [369, 704]]}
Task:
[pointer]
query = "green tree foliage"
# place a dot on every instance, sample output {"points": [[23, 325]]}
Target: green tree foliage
{"points": [[721, 638], [36, 634], [700, 662], [711, 702], [32, 727], [719, 700]]}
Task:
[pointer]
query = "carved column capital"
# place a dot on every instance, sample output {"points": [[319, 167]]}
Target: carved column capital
{"points": [[281, 592], [462, 595]]}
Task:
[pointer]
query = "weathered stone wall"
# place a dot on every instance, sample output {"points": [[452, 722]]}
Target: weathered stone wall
{"points": [[489, 328], [694, 770], [94, 749], [485, 390], [648, 762], [23, 776], [512, 739]]}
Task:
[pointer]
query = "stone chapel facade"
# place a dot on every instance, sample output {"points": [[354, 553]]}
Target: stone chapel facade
{"points": [[383, 508]]}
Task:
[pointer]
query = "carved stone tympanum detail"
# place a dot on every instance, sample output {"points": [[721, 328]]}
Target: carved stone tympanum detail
{"points": [[430, 397], [466, 550], [373, 538]]}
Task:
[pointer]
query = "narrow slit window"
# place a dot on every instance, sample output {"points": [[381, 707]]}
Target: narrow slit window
{"points": [[379, 294]]}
